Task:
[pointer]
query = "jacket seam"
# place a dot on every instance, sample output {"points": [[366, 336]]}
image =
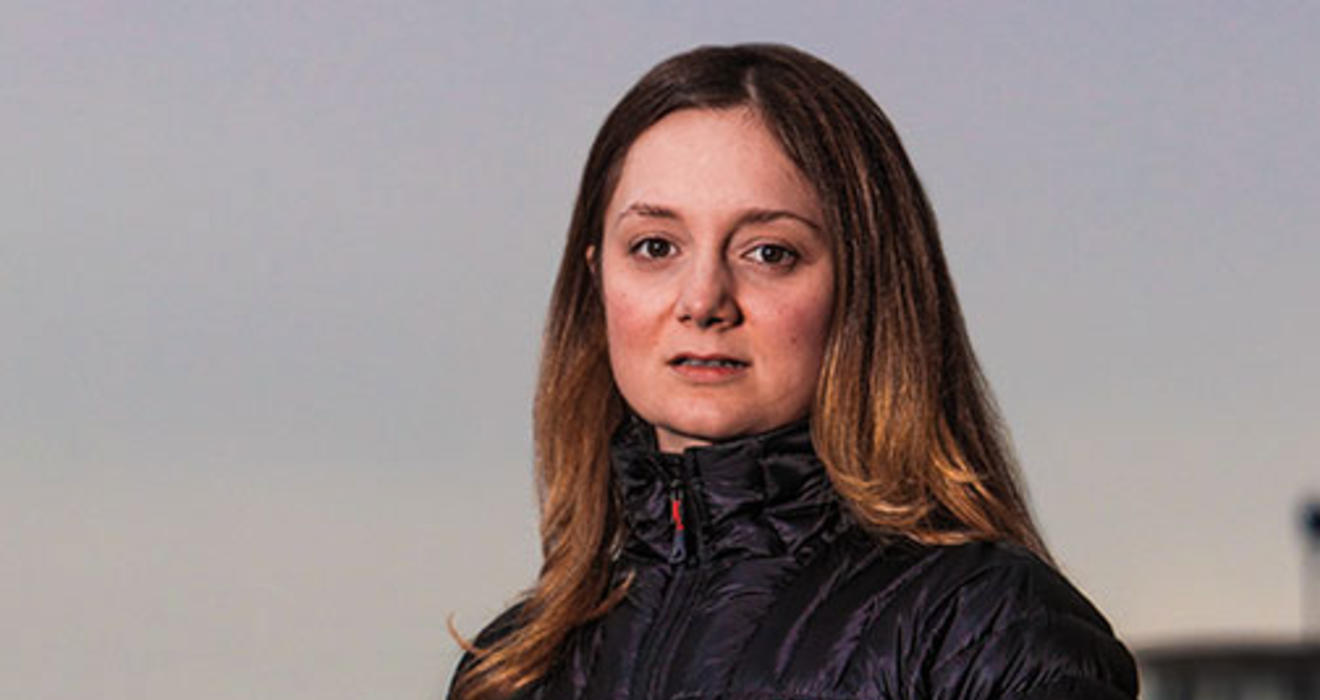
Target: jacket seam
{"points": [[996, 631], [776, 695]]}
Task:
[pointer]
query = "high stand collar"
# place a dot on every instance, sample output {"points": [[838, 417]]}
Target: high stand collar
{"points": [[763, 495]]}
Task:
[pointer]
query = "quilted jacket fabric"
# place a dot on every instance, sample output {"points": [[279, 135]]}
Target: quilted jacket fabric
{"points": [[751, 581]]}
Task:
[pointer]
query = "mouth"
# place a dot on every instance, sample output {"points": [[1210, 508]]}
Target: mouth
{"points": [[708, 369], [707, 362]]}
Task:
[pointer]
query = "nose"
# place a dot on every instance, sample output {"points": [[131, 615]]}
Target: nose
{"points": [[706, 298]]}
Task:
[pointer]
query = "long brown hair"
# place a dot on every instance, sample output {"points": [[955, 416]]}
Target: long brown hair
{"points": [[902, 420]]}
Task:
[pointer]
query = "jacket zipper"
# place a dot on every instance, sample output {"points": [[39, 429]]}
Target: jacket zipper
{"points": [[678, 550], [655, 655]]}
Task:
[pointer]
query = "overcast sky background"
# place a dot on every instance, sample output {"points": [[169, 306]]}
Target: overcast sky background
{"points": [[272, 277]]}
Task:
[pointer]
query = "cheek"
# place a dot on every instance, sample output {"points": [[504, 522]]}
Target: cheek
{"points": [[807, 333], [809, 329], [801, 329], [816, 317], [629, 330], [624, 315]]}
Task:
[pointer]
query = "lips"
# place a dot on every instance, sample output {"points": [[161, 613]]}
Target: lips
{"points": [[707, 361], [708, 369]]}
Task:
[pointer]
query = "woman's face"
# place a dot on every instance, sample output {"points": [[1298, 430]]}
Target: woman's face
{"points": [[717, 279]]}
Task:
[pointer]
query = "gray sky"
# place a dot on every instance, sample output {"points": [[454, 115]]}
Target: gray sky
{"points": [[272, 276]]}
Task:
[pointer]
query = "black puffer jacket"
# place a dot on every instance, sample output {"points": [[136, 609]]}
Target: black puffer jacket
{"points": [[770, 590]]}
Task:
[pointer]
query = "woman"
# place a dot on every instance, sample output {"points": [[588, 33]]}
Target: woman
{"points": [[768, 464]]}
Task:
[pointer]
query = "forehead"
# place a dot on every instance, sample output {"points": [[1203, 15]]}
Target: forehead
{"points": [[699, 161]]}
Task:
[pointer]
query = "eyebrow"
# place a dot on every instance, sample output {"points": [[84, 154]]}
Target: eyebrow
{"points": [[755, 215]]}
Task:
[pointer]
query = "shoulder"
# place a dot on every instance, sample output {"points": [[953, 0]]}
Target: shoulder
{"points": [[1001, 623], [497, 629], [500, 627], [997, 580]]}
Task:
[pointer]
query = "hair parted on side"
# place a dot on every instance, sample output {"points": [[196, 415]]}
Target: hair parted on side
{"points": [[902, 419]]}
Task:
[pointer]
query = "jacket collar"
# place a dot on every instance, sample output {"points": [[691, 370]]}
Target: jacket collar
{"points": [[763, 495]]}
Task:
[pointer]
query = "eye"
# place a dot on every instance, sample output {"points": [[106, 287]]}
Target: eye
{"points": [[653, 248], [772, 254]]}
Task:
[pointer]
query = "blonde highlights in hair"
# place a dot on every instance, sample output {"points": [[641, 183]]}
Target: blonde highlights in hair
{"points": [[902, 419]]}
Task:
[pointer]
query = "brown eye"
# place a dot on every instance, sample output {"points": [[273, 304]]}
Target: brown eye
{"points": [[654, 248], [771, 254]]}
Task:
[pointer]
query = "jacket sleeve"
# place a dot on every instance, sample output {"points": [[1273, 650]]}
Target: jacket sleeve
{"points": [[1015, 629]]}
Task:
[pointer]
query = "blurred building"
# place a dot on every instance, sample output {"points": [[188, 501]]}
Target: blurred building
{"points": [[1242, 670], [1232, 671]]}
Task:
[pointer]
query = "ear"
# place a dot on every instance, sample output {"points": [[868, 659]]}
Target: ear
{"points": [[593, 264]]}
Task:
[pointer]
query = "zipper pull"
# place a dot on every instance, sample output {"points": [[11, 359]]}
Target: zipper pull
{"points": [[678, 552]]}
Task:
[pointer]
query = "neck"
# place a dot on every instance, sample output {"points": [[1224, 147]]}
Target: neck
{"points": [[673, 442]]}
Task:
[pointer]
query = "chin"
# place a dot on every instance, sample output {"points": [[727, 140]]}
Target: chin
{"points": [[706, 432], [706, 429], [694, 420]]}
